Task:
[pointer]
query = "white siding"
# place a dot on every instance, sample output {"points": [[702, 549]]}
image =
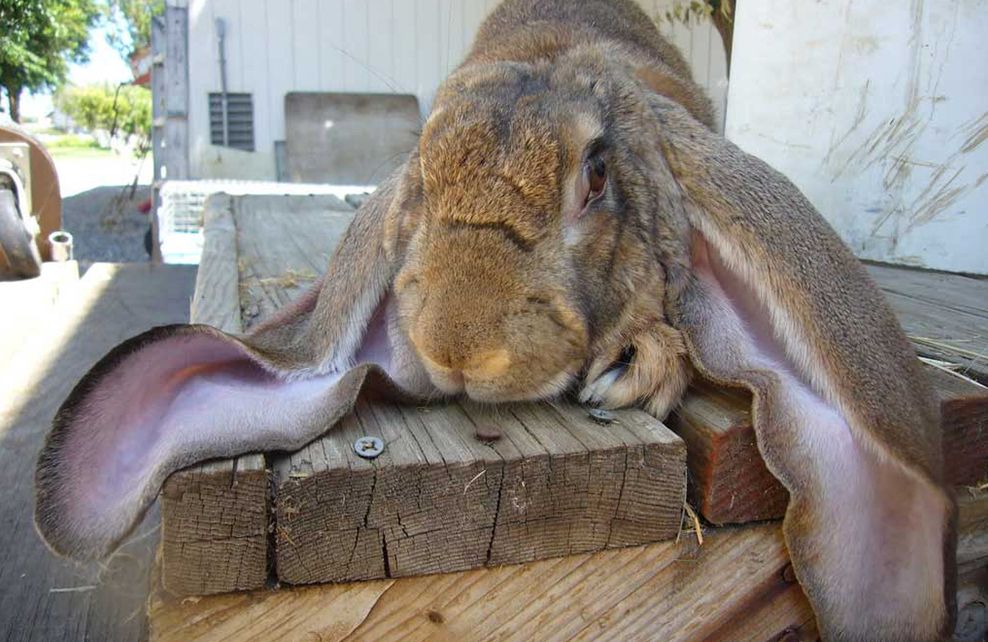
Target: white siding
{"points": [[877, 111], [403, 46]]}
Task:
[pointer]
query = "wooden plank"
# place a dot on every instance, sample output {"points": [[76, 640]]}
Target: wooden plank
{"points": [[729, 483], [972, 564], [438, 499], [731, 588], [964, 409], [736, 586], [44, 597], [214, 523], [283, 245], [728, 480], [953, 291], [947, 308]]}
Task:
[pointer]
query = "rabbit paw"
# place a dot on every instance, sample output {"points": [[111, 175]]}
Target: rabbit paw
{"points": [[652, 371]]}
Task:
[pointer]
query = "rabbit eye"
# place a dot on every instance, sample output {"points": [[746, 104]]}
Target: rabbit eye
{"points": [[595, 170]]}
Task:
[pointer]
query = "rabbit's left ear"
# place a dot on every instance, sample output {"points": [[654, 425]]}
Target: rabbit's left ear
{"points": [[771, 299], [181, 394]]}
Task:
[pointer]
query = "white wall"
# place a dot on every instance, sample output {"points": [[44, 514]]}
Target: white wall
{"points": [[405, 46], [877, 111]]}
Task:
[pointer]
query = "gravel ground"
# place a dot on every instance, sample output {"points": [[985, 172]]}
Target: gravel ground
{"points": [[106, 225], [96, 204]]}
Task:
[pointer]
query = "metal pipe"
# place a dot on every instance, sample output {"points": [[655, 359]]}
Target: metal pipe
{"points": [[61, 246], [221, 35]]}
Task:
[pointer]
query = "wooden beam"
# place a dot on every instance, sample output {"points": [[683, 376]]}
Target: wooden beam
{"points": [[440, 499], [214, 517], [729, 483], [735, 586]]}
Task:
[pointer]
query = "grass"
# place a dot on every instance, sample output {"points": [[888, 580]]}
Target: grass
{"points": [[70, 141], [75, 146]]}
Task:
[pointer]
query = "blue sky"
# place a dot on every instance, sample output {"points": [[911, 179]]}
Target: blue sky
{"points": [[104, 66]]}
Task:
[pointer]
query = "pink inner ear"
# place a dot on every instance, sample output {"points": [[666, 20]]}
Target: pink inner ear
{"points": [[866, 535], [185, 395], [185, 398]]}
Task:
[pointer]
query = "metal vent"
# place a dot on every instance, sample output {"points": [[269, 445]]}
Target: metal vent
{"points": [[239, 121]]}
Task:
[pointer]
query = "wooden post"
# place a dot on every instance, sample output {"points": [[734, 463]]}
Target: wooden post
{"points": [[169, 105], [176, 99]]}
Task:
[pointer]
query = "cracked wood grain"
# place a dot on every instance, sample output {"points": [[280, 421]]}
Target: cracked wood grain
{"points": [[734, 587], [440, 500]]}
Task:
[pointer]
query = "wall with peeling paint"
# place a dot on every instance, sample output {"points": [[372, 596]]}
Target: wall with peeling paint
{"points": [[878, 111]]}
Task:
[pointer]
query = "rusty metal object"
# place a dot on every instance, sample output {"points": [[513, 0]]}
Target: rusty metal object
{"points": [[17, 246], [45, 197]]}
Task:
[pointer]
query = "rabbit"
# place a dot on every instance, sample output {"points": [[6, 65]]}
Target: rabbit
{"points": [[568, 222]]}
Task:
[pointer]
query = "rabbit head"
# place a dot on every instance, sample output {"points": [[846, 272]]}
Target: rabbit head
{"points": [[568, 219], [531, 243]]}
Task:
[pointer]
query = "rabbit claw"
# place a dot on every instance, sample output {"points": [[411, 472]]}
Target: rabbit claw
{"points": [[654, 373]]}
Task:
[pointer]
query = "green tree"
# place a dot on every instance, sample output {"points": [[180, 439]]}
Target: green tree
{"points": [[124, 110], [38, 40], [129, 24]]}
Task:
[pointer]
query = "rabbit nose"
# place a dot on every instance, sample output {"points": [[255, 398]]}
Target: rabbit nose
{"points": [[484, 365], [458, 362]]}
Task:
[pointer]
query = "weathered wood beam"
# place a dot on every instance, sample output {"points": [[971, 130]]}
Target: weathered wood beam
{"points": [[441, 499], [735, 586], [214, 517], [729, 483]]}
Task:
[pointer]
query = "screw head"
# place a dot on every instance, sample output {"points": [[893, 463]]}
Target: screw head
{"points": [[601, 416], [368, 447]]}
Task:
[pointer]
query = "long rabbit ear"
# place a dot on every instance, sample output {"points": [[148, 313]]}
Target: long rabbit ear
{"points": [[180, 394], [770, 298]]}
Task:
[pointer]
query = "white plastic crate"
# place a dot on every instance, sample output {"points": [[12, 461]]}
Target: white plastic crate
{"points": [[181, 203]]}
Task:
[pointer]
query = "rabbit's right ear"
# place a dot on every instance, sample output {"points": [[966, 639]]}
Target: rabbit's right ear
{"points": [[181, 394], [769, 297]]}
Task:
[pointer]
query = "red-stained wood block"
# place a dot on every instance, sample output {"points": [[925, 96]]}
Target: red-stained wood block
{"points": [[728, 480]]}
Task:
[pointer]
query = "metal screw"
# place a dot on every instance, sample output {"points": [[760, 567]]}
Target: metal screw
{"points": [[368, 447], [601, 416]]}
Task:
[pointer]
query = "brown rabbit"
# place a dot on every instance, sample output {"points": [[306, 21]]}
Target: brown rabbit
{"points": [[569, 220]]}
